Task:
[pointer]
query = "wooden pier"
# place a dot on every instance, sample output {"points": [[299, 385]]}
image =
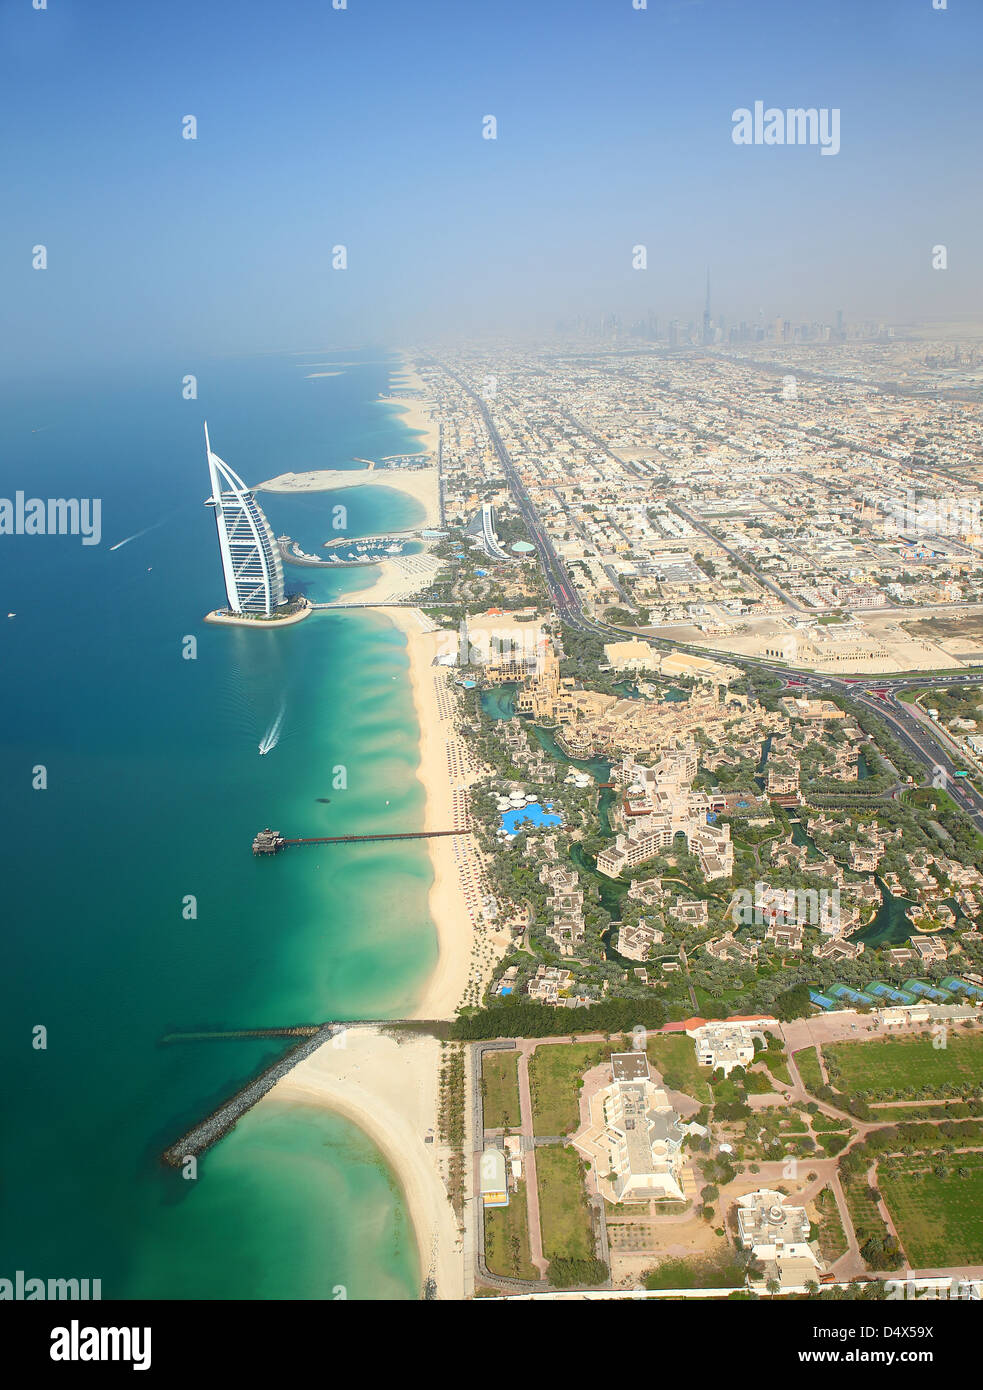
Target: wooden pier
{"points": [[271, 841]]}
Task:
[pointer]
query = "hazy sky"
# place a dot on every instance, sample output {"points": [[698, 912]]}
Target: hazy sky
{"points": [[364, 127]]}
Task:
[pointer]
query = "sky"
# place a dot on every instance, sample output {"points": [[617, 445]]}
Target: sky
{"points": [[362, 127]]}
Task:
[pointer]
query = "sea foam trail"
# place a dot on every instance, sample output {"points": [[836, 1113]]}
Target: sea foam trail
{"points": [[272, 736]]}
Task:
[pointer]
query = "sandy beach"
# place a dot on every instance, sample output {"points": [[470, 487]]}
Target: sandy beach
{"points": [[396, 580], [419, 483], [417, 417], [389, 1088], [460, 929]]}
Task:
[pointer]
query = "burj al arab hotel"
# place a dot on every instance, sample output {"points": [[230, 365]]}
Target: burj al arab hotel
{"points": [[250, 557]]}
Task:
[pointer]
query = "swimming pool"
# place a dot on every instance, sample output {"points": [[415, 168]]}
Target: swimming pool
{"points": [[532, 811]]}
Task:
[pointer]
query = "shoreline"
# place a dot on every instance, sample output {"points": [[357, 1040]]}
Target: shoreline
{"points": [[400, 578], [417, 417], [261, 624], [420, 484], [390, 1090], [468, 949], [447, 905]]}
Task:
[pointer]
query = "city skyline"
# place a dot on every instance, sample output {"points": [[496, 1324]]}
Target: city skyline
{"points": [[612, 130]]}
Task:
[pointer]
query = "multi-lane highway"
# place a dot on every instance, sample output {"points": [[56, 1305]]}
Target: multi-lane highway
{"points": [[874, 694]]}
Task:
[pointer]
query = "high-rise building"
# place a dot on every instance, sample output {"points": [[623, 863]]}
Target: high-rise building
{"points": [[250, 558], [707, 330]]}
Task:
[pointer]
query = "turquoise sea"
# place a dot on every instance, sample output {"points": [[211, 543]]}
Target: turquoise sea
{"points": [[154, 790]]}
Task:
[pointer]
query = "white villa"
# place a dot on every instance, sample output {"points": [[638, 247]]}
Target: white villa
{"points": [[724, 1045], [778, 1237], [633, 1139]]}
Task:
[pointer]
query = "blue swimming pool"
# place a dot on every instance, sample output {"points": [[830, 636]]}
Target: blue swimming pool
{"points": [[531, 812]]}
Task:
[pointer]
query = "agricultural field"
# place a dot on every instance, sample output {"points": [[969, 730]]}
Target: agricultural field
{"points": [[500, 1087], [555, 1075], [865, 1214], [927, 1110], [564, 1213], [896, 1064], [507, 1238], [939, 1219]]}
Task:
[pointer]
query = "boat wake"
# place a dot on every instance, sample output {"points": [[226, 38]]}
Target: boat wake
{"points": [[135, 537], [272, 736]]}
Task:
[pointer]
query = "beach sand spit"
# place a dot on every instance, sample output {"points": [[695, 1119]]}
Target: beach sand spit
{"points": [[418, 483], [389, 1089]]}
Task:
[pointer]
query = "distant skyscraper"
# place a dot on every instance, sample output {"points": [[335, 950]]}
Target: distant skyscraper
{"points": [[707, 331], [250, 556]]}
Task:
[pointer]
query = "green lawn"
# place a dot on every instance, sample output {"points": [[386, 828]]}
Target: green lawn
{"points": [[674, 1055], [826, 1123], [895, 1063], [555, 1069], [939, 1220], [721, 1269], [757, 1083], [807, 1062], [777, 1065], [564, 1214], [832, 1144], [507, 1238], [832, 1239], [500, 1075]]}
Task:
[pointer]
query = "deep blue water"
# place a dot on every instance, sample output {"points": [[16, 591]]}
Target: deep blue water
{"points": [[154, 790]]}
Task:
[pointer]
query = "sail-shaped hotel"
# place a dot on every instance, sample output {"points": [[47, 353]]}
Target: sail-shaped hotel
{"points": [[250, 556]]}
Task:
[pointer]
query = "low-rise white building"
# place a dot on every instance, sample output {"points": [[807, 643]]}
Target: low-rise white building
{"points": [[778, 1237], [633, 1138], [723, 1045]]}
